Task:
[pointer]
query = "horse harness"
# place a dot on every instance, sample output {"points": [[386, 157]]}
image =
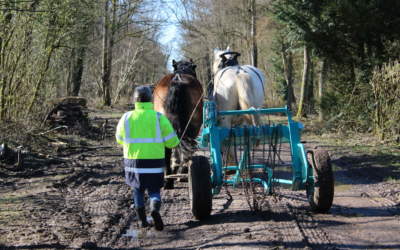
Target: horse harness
{"points": [[177, 77], [185, 69], [226, 63], [237, 72]]}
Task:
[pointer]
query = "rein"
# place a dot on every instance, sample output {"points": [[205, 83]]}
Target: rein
{"points": [[195, 108]]}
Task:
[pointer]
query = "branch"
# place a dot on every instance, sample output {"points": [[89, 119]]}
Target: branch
{"points": [[24, 10]]}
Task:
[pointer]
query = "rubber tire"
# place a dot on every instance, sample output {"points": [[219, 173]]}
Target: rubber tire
{"points": [[320, 196], [200, 195]]}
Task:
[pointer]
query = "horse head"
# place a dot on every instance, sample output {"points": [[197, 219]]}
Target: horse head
{"points": [[184, 67], [224, 58]]}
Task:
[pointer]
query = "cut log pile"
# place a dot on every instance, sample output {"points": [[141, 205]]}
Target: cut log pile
{"points": [[70, 112]]}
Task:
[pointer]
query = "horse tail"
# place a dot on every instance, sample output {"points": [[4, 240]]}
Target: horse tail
{"points": [[250, 94], [176, 107], [245, 91], [175, 103]]}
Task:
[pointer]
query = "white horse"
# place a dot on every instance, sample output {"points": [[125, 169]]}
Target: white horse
{"points": [[236, 86]]}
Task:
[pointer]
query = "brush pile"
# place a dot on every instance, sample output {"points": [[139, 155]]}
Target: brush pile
{"points": [[68, 112]]}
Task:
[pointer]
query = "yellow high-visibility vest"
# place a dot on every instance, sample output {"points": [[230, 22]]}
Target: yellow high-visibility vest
{"points": [[144, 133]]}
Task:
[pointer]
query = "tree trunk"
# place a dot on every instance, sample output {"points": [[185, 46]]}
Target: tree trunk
{"points": [[309, 103], [77, 71], [111, 46], [50, 45], [254, 52], [78, 55], [107, 56], [287, 58], [70, 70], [40, 80], [304, 81], [3, 69], [321, 83], [2, 82]]}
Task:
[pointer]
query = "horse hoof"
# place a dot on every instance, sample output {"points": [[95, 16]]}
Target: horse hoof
{"points": [[169, 184], [183, 179], [175, 169], [183, 170]]}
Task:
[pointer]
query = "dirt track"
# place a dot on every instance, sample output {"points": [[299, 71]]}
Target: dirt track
{"points": [[78, 199]]}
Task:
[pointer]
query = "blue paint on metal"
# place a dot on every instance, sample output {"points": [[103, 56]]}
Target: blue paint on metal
{"points": [[282, 181], [214, 137]]}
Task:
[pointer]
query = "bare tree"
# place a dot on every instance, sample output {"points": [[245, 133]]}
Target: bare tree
{"points": [[287, 59], [108, 44], [253, 33], [321, 83], [127, 74], [304, 82]]}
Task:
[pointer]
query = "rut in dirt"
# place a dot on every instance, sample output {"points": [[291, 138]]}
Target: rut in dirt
{"points": [[78, 199]]}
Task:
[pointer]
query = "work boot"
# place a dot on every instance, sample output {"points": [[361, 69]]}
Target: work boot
{"points": [[155, 213], [141, 213]]}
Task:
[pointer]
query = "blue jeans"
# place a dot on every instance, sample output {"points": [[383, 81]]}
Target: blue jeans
{"points": [[138, 195]]}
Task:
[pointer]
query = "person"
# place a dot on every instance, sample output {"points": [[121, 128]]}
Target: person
{"points": [[144, 134]]}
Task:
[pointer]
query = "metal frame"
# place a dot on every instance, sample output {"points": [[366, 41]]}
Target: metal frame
{"points": [[213, 137]]}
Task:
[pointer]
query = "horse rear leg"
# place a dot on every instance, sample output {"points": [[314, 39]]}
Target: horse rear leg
{"points": [[179, 163], [175, 160], [169, 182]]}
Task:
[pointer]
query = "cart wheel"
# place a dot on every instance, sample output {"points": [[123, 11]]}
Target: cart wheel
{"points": [[320, 195], [200, 187]]}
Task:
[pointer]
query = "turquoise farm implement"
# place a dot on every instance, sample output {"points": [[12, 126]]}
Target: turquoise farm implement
{"points": [[310, 171]]}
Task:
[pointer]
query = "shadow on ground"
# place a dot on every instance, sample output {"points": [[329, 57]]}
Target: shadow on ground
{"points": [[368, 169]]}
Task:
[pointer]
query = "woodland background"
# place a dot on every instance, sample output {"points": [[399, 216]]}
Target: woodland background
{"points": [[332, 61]]}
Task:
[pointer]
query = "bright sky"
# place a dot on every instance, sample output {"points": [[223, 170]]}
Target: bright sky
{"points": [[170, 36]]}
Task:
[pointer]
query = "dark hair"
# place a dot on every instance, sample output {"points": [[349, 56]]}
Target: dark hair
{"points": [[142, 94]]}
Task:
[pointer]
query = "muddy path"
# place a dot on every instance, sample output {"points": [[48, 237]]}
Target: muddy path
{"points": [[75, 197]]}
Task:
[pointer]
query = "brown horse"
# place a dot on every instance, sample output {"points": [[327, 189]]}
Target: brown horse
{"points": [[179, 96]]}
